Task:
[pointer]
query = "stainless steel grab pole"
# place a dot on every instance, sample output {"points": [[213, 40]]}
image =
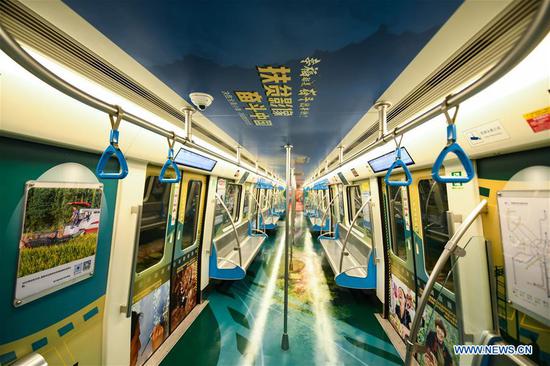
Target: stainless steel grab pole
{"points": [[284, 341], [439, 266]]}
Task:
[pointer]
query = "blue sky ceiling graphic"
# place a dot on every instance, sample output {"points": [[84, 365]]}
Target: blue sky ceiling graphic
{"points": [[302, 72]]}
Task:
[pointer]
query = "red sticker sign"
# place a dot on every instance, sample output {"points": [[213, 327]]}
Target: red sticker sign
{"points": [[539, 120]]}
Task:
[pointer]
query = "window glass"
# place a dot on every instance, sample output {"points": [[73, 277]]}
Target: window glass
{"points": [[246, 203], [333, 192], [356, 199], [340, 203], [191, 218], [399, 222], [152, 230], [433, 210], [231, 195]]}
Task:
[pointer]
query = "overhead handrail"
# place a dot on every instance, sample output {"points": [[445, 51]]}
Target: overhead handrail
{"points": [[234, 228], [113, 150], [259, 210], [170, 163], [452, 147], [345, 243], [448, 250], [29, 63], [398, 163], [325, 214], [537, 30]]}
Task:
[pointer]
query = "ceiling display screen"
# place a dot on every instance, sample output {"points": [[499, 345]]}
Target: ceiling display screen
{"points": [[193, 160], [384, 162]]}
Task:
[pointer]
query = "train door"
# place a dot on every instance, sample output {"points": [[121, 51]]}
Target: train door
{"points": [[417, 231], [399, 246], [430, 210], [184, 288], [165, 278]]}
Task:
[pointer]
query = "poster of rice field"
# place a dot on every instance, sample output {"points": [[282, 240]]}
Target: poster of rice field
{"points": [[58, 238]]}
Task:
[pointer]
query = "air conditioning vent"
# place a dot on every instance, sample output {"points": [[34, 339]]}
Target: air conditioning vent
{"points": [[483, 51], [31, 29]]}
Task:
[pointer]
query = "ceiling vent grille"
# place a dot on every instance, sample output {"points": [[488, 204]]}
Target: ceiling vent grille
{"points": [[29, 28], [483, 51]]}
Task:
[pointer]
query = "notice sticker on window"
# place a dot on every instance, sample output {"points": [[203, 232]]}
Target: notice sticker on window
{"points": [[539, 120]]}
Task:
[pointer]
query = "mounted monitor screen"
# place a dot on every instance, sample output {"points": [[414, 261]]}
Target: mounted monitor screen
{"points": [[384, 162], [193, 160]]}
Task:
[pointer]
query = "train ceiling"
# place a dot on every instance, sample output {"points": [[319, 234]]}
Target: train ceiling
{"points": [[303, 72]]}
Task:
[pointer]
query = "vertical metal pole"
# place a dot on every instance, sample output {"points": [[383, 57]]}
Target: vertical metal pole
{"points": [[382, 108], [340, 154], [188, 113], [284, 341], [293, 218]]}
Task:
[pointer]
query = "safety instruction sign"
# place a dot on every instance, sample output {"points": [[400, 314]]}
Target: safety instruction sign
{"points": [[539, 120]]}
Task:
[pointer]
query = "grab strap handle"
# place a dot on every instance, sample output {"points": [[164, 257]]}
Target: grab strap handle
{"points": [[113, 150], [455, 148], [398, 163], [170, 163]]}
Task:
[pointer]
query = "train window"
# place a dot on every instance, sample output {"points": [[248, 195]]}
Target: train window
{"points": [[246, 203], [191, 218], [231, 194], [340, 202], [152, 230], [398, 197], [233, 200], [333, 207], [433, 210], [355, 202]]}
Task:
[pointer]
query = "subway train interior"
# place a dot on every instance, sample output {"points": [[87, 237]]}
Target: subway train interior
{"points": [[256, 183]]}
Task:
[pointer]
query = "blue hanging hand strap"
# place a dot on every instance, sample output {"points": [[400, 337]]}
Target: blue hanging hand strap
{"points": [[398, 163], [455, 148], [113, 150], [170, 163]]}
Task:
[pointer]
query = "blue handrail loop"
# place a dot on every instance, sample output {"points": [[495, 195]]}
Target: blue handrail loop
{"points": [[455, 148], [398, 163], [113, 150], [170, 163]]}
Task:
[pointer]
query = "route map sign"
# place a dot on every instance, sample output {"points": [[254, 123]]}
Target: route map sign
{"points": [[525, 226]]}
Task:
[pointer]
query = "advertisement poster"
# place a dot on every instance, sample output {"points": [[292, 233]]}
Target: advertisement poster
{"points": [[402, 306], [439, 336], [58, 238], [149, 324], [183, 293]]}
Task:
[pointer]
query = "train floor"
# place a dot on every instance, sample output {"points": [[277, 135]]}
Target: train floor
{"points": [[327, 325]]}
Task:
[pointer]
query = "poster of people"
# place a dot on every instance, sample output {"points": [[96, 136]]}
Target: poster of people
{"points": [[402, 306], [184, 293], [149, 324], [58, 238], [439, 336]]}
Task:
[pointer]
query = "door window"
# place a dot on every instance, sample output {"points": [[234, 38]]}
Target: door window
{"points": [[435, 230], [399, 220], [191, 218]]}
